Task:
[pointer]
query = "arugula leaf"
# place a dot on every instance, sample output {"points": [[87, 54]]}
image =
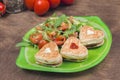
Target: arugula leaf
{"points": [[70, 31], [45, 36], [35, 46], [58, 21], [79, 26], [23, 44], [26, 40]]}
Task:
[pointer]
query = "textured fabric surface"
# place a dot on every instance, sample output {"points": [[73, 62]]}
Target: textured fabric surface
{"points": [[14, 26]]}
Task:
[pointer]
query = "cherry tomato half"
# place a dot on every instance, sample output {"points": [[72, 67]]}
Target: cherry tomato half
{"points": [[42, 43], [35, 38], [60, 40]]}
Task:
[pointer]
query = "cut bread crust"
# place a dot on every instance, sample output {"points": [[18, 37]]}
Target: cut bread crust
{"points": [[51, 61], [51, 65], [95, 45]]}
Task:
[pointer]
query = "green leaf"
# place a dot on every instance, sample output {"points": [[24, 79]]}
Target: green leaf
{"points": [[70, 31], [22, 44], [58, 21], [45, 36], [35, 46], [26, 40]]}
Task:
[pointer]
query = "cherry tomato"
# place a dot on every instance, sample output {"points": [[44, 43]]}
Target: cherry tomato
{"points": [[42, 43], [41, 7], [2, 9], [60, 40], [67, 2], [35, 38], [54, 3], [29, 4]]}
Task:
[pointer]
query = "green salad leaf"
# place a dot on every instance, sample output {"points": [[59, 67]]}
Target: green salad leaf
{"points": [[70, 31], [58, 21], [45, 36], [23, 44], [52, 24]]}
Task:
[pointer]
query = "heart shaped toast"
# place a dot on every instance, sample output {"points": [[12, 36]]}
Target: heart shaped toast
{"points": [[91, 37], [73, 50], [49, 55]]}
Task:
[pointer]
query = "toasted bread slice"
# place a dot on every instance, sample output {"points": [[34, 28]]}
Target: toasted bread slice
{"points": [[73, 50], [49, 55]]}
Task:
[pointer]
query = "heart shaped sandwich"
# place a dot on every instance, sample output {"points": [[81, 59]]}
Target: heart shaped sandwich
{"points": [[49, 55], [73, 50], [91, 37]]}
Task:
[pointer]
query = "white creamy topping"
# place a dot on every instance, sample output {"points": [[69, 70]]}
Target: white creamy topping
{"points": [[90, 32], [47, 50]]}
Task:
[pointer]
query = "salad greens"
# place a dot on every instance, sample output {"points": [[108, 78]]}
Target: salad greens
{"points": [[55, 28]]}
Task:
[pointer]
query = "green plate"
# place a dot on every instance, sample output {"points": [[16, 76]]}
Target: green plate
{"points": [[26, 58]]}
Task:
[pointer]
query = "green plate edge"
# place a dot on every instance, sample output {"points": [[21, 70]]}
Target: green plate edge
{"points": [[95, 19]]}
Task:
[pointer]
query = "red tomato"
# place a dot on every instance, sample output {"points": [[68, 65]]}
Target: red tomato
{"points": [[60, 40], [41, 7], [42, 43], [54, 3], [2, 9], [29, 4], [67, 2], [35, 38], [73, 46]]}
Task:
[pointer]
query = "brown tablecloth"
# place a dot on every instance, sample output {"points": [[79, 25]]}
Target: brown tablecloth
{"points": [[14, 26]]}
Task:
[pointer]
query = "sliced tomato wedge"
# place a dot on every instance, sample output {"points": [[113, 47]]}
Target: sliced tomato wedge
{"points": [[60, 40], [35, 38], [42, 43]]}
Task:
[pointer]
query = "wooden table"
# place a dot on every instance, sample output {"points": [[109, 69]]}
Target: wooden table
{"points": [[14, 26]]}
